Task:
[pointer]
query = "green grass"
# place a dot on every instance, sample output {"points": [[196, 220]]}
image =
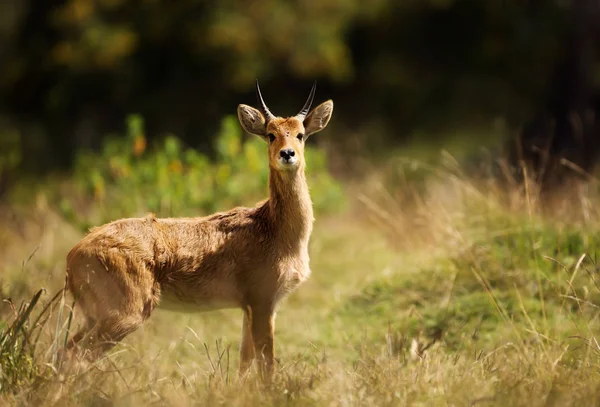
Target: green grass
{"points": [[459, 301]]}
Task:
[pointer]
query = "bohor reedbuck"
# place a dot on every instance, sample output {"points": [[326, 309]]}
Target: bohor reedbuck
{"points": [[247, 258]]}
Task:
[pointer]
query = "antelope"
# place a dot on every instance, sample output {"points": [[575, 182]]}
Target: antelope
{"points": [[248, 258]]}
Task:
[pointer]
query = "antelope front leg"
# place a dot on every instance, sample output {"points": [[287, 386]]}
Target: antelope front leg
{"points": [[263, 329], [247, 346]]}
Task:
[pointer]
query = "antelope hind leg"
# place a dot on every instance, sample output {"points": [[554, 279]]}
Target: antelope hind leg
{"points": [[247, 353]]}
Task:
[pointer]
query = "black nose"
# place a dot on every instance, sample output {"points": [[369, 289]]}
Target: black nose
{"points": [[287, 153]]}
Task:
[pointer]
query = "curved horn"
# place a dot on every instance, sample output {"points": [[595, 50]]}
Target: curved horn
{"points": [[263, 106], [302, 115]]}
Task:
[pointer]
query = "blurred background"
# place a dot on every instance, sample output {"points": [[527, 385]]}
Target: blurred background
{"points": [[429, 71], [429, 236]]}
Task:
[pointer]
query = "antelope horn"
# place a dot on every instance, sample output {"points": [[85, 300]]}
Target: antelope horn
{"points": [[263, 106], [302, 115]]}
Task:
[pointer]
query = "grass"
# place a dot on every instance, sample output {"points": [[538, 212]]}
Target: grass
{"points": [[443, 293]]}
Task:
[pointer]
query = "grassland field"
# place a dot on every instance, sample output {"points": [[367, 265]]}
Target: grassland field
{"points": [[447, 292]]}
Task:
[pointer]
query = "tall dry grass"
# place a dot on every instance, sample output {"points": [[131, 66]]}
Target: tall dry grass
{"points": [[438, 288]]}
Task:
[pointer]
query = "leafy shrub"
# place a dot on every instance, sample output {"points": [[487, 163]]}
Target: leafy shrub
{"points": [[128, 179]]}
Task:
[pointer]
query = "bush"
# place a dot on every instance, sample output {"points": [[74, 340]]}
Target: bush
{"points": [[127, 179]]}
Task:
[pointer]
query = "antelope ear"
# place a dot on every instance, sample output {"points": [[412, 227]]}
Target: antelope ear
{"points": [[252, 120], [318, 118]]}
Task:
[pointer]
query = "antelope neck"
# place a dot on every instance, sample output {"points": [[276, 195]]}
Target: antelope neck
{"points": [[290, 203]]}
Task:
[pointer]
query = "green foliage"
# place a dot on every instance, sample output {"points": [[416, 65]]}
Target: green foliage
{"points": [[126, 179], [396, 67], [248, 36]]}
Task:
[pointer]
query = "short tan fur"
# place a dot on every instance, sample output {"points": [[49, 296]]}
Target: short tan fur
{"points": [[248, 258]]}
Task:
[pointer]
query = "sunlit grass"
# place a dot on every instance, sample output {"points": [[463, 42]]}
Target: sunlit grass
{"points": [[463, 296]]}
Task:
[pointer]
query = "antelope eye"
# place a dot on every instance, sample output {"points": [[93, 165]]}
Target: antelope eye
{"points": [[271, 137], [300, 136]]}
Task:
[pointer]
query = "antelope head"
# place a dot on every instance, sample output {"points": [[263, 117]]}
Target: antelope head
{"points": [[285, 136]]}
